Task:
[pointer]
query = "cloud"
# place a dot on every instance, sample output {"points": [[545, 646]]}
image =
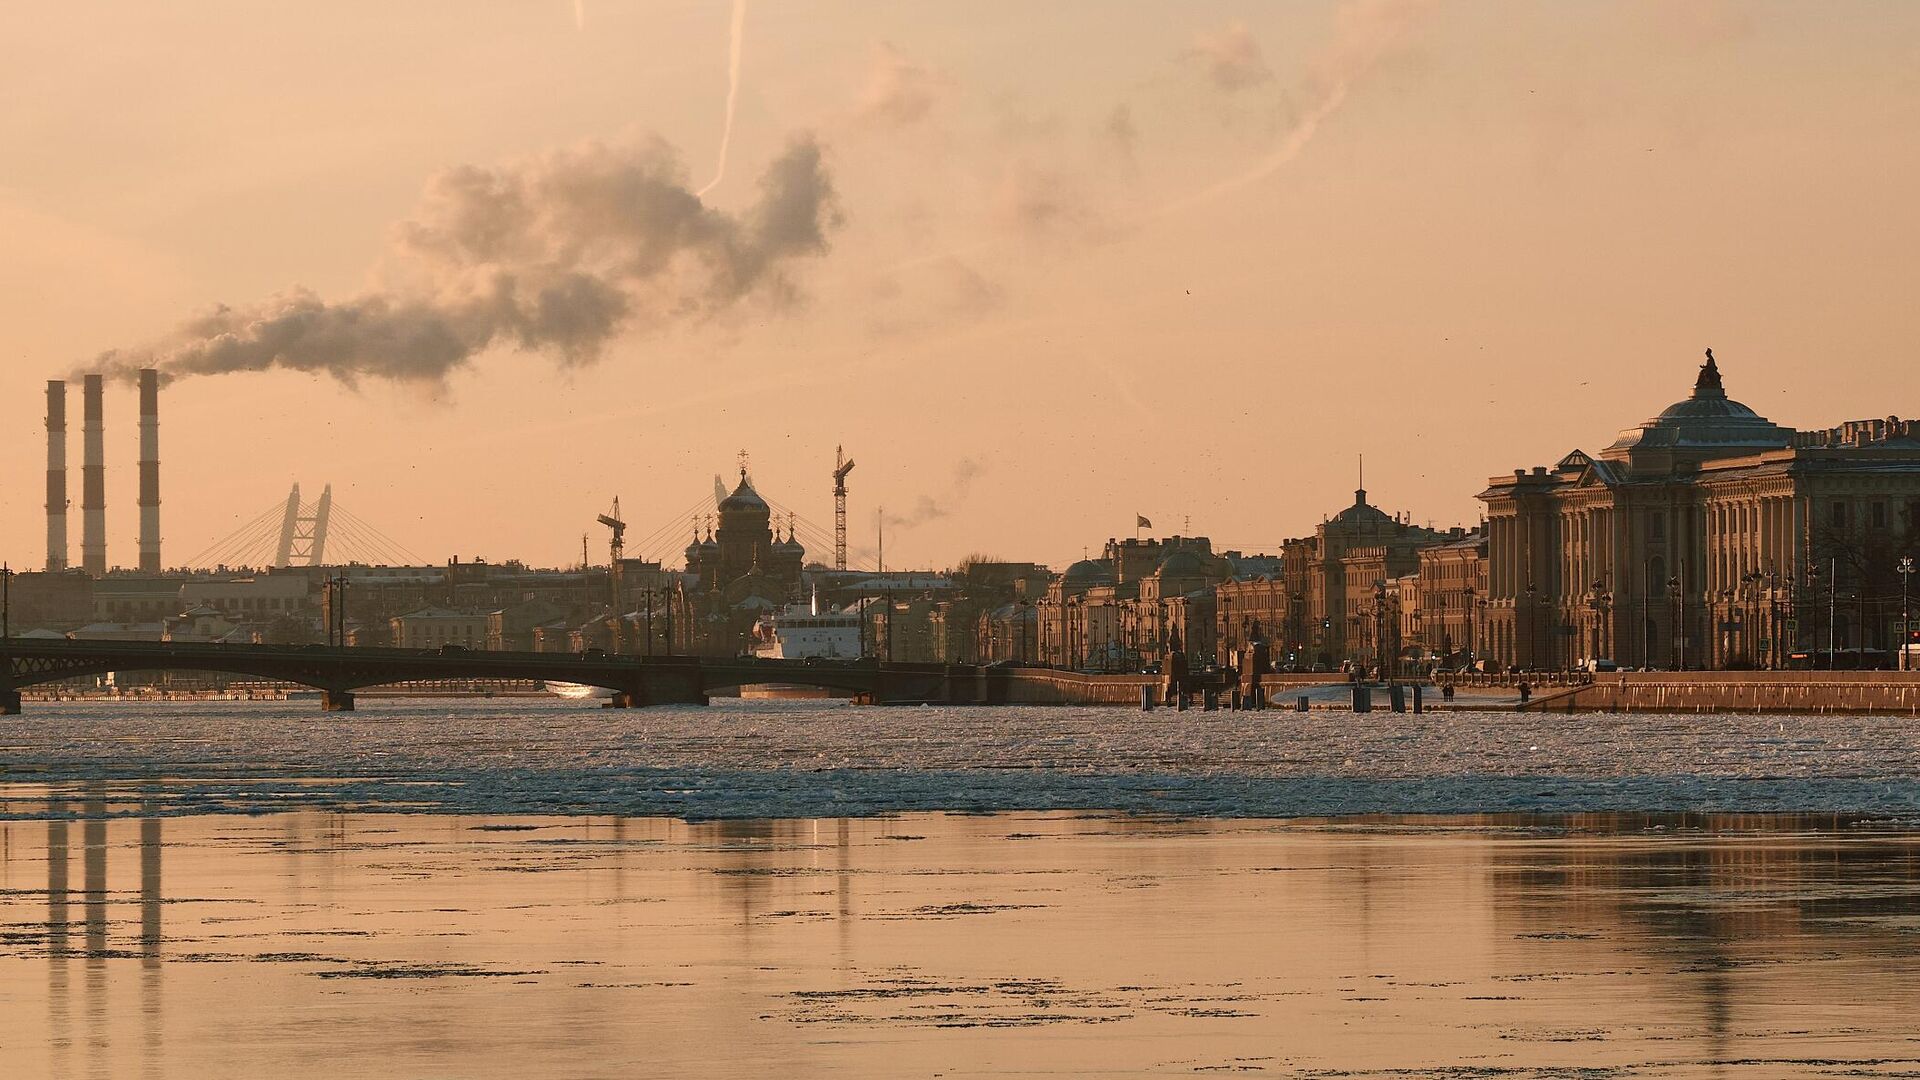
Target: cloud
{"points": [[1047, 205], [1230, 58], [1119, 134], [899, 92], [556, 256]]}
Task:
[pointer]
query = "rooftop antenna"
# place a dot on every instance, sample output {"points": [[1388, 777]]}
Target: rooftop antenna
{"points": [[880, 528], [842, 465]]}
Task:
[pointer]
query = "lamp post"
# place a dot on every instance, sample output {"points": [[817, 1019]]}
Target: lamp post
{"points": [[1833, 610], [6, 600], [1226, 623], [1533, 619], [1727, 625], [1673, 604], [1906, 616], [1773, 616], [1380, 660], [1477, 628]]}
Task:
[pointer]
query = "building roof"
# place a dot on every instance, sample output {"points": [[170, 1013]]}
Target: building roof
{"points": [[744, 498], [1361, 513], [1089, 572], [1707, 419], [1181, 563]]}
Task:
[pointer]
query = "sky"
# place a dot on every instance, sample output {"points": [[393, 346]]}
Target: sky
{"points": [[1040, 268]]}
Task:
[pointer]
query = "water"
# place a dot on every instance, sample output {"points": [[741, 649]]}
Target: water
{"points": [[824, 759], [239, 890]]}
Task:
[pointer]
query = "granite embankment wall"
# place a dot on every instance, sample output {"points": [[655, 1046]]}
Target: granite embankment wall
{"points": [[1045, 686], [1882, 692]]}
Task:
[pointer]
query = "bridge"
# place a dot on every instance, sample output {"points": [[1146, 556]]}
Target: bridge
{"points": [[339, 672]]}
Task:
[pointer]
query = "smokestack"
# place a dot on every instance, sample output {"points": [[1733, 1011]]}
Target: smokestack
{"points": [[56, 476], [93, 481], [149, 471]]}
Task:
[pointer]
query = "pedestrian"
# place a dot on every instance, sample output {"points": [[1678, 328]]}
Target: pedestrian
{"points": [[1526, 692]]}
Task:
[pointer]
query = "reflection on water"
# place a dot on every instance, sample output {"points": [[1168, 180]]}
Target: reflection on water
{"points": [[326, 944]]}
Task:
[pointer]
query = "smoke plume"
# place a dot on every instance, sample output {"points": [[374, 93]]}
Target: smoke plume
{"points": [[926, 508], [555, 256]]}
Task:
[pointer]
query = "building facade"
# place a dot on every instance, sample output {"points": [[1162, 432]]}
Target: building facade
{"points": [[1707, 536]]}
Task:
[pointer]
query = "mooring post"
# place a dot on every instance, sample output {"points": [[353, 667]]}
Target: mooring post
{"points": [[1303, 703], [336, 701], [1146, 699], [1419, 700]]}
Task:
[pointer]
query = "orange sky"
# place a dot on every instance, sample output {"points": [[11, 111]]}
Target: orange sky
{"points": [[1083, 260]]}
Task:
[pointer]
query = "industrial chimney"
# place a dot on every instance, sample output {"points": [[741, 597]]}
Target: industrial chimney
{"points": [[93, 481], [56, 476], [149, 471]]}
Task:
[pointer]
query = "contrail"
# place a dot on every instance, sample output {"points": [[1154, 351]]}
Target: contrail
{"points": [[733, 92], [1289, 148]]}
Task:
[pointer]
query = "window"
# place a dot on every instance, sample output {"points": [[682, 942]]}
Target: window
{"points": [[1657, 527], [1879, 515], [1838, 514]]}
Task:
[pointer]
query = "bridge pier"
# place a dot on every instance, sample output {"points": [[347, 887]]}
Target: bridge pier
{"points": [[336, 700], [9, 702]]}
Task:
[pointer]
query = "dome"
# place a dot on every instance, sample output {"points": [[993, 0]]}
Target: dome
{"points": [[1705, 420], [1089, 572], [744, 499], [1181, 564], [1360, 513]]}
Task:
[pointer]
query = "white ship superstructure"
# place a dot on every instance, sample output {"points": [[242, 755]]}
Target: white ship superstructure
{"points": [[801, 631]]}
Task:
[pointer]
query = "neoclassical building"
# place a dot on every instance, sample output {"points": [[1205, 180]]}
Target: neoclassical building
{"points": [[1707, 536]]}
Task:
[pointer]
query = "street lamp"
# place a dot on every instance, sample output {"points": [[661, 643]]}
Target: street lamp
{"points": [[1727, 625], [1906, 616], [1679, 647], [6, 600], [1380, 660], [1533, 631]]}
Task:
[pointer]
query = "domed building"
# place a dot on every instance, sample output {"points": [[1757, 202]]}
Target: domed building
{"points": [[742, 569], [1699, 538]]}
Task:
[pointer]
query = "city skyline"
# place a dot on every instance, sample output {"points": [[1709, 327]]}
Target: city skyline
{"points": [[1044, 290]]}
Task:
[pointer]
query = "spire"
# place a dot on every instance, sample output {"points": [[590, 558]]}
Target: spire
{"points": [[1708, 384], [1360, 493]]}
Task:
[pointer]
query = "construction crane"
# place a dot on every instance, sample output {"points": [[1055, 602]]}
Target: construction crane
{"points": [[617, 549], [842, 465]]}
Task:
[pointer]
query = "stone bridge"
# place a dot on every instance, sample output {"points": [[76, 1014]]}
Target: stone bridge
{"points": [[338, 672]]}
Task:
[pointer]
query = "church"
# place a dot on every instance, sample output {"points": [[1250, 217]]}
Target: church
{"points": [[741, 570], [1706, 537]]}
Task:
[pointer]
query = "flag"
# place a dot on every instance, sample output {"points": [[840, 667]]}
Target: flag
{"points": [[1141, 522]]}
